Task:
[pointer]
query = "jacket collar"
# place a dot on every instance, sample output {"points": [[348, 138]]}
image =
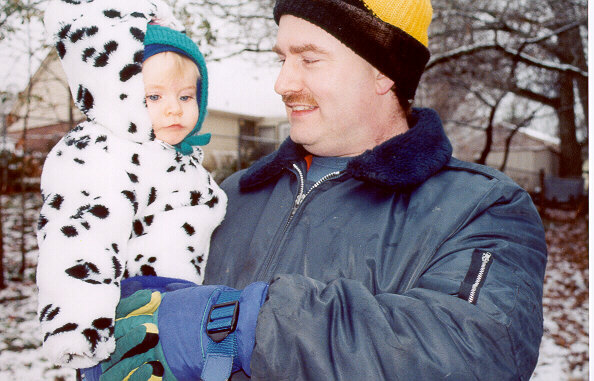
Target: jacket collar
{"points": [[399, 163]]}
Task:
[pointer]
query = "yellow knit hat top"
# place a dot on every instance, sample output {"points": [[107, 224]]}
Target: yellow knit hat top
{"points": [[411, 16]]}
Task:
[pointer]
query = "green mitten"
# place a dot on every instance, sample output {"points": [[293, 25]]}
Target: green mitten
{"points": [[138, 347]]}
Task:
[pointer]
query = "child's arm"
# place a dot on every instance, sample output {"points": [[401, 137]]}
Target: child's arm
{"points": [[83, 230]]}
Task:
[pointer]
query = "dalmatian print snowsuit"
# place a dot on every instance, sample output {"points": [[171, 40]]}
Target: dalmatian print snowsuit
{"points": [[117, 202]]}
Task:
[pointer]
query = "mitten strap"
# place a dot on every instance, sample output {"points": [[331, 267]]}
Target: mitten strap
{"points": [[221, 353]]}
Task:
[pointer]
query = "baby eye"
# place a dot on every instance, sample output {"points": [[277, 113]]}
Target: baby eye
{"points": [[153, 97], [185, 98]]}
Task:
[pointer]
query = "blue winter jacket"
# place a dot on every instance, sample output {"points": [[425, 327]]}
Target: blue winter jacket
{"points": [[408, 265]]}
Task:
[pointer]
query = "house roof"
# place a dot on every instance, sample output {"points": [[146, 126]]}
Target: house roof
{"points": [[469, 142]]}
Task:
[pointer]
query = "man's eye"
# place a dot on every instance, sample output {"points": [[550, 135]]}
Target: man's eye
{"points": [[153, 97], [310, 60]]}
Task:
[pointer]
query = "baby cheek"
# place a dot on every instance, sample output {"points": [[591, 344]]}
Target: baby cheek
{"points": [[154, 113]]}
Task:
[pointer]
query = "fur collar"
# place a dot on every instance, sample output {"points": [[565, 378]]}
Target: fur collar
{"points": [[400, 163]]}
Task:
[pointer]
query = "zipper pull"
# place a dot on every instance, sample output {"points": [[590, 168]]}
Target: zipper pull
{"points": [[298, 202]]}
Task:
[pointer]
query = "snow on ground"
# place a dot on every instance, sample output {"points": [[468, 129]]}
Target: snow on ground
{"points": [[563, 356]]}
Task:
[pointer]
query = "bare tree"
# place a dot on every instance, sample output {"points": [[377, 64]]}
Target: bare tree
{"points": [[16, 18], [534, 49]]}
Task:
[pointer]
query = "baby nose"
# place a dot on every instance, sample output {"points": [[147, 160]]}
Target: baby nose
{"points": [[174, 107]]}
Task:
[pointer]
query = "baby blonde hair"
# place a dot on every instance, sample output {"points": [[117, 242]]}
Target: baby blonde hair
{"points": [[180, 65]]}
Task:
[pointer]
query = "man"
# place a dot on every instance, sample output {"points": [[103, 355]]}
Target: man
{"points": [[382, 256]]}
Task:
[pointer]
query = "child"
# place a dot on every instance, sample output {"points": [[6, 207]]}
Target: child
{"points": [[124, 191]]}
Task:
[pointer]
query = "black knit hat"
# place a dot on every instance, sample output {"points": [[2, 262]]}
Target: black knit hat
{"points": [[389, 34]]}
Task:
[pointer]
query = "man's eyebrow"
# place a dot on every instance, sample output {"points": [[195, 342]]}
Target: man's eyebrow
{"points": [[298, 49]]}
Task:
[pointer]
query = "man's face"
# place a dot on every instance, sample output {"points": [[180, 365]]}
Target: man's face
{"points": [[328, 90], [170, 98]]}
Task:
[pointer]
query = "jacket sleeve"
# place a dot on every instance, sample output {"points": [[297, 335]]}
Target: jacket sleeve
{"points": [[342, 330], [83, 229]]}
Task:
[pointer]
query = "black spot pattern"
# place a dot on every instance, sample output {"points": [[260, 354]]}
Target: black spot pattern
{"points": [[102, 323], [138, 56], [88, 53], [148, 220], [80, 143], [92, 30], [77, 35], [123, 96], [41, 222], [147, 270], [132, 129], [129, 71], [63, 33], [131, 196], [132, 177], [137, 227], [152, 196], [92, 337], [196, 263], [48, 313], [57, 201], [117, 267], [84, 99], [189, 229], [135, 160], [65, 328], [99, 211], [69, 231], [195, 198], [112, 13], [212, 202], [83, 270], [137, 34], [103, 57]]}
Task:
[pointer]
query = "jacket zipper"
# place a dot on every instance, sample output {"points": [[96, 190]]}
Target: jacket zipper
{"points": [[485, 261], [302, 195]]}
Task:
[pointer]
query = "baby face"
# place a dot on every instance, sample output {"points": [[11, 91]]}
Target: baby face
{"points": [[170, 87]]}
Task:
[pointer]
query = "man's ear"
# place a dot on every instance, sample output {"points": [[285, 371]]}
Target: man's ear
{"points": [[383, 84]]}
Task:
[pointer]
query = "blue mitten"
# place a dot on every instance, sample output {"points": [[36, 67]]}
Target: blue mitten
{"points": [[193, 332]]}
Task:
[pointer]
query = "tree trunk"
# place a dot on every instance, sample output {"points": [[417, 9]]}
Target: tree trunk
{"points": [[571, 155], [3, 182], [2, 280], [508, 141], [489, 133]]}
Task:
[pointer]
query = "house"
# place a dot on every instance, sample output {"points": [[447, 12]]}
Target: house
{"points": [[530, 152], [46, 108]]}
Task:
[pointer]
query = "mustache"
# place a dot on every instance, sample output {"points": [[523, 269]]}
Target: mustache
{"points": [[299, 98]]}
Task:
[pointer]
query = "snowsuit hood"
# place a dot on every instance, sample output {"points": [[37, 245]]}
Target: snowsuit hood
{"points": [[114, 97]]}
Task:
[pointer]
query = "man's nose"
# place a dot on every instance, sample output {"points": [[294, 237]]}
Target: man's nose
{"points": [[289, 78]]}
